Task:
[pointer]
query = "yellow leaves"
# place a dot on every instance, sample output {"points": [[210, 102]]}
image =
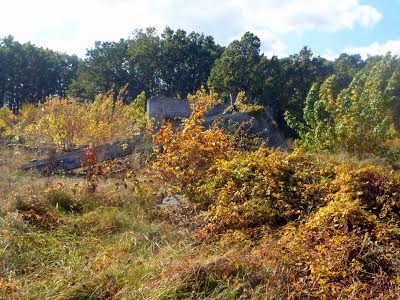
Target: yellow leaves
{"points": [[357, 265], [203, 101], [64, 123], [7, 121], [243, 105]]}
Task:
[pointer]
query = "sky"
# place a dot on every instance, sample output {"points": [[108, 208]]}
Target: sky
{"points": [[328, 27]]}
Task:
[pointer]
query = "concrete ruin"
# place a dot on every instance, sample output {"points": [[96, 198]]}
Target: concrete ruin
{"points": [[160, 107]]}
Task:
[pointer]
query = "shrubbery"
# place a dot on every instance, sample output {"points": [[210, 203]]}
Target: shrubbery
{"points": [[332, 227], [262, 223], [184, 155], [67, 123], [361, 118]]}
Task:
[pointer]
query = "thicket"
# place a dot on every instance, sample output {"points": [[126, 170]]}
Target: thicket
{"points": [[333, 226], [171, 63], [360, 118], [294, 225], [67, 123]]}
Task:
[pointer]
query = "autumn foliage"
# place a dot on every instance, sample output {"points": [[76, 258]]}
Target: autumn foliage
{"points": [[64, 123], [184, 154], [260, 223], [329, 228]]}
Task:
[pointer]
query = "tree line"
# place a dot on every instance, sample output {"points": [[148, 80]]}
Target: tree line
{"points": [[28, 73], [173, 63]]}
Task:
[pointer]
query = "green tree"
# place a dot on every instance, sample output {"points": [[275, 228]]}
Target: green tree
{"points": [[105, 67], [237, 69], [186, 61], [29, 73], [144, 55], [286, 82], [173, 64], [359, 118]]}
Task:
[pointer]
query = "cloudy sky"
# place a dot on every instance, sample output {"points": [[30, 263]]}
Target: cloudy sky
{"points": [[328, 27]]}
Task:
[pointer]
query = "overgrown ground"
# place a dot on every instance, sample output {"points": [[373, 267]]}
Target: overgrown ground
{"points": [[242, 222], [61, 240]]}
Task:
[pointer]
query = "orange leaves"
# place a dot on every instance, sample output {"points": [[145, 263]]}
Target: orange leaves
{"points": [[185, 154], [8, 285], [40, 219]]}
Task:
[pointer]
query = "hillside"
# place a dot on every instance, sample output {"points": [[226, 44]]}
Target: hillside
{"points": [[201, 214]]}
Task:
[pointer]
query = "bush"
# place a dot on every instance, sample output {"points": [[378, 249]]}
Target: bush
{"points": [[263, 187], [67, 123], [360, 118], [344, 248], [183, 156], [63, 200]]}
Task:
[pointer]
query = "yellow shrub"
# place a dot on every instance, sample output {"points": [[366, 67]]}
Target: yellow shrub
{"points": [[59, 124], [262, 187], [184, 155], [108, 120], [243, 105], [65, 123], [342, 247], [7, 120]]}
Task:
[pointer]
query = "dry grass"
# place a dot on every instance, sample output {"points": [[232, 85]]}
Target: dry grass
{"points": [[59, 241]]}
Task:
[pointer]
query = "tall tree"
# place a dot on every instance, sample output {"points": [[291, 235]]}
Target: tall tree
{"points": [[186, 61], [144, 56], [172, 64], [29, 73], [106, 67], [237, 68], [286, 83], [359, 118]]}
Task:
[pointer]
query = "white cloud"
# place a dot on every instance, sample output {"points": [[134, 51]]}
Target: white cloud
{"points": [[74, 25], [376, 48], [329, 54]]}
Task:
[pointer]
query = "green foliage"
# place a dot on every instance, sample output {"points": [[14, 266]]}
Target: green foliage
{"points": [[173, 64], [285, 83], [236, 70], [29, 73], [357, 118]]}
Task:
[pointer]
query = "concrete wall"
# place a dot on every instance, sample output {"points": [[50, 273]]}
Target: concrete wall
{"points": [[160, 107], [263, 125]]}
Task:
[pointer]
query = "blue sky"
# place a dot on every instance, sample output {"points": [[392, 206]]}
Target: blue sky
{"points": [[328, 27]]}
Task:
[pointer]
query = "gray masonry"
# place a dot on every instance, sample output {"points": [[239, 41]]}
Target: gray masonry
{"points": [[161, 107]]}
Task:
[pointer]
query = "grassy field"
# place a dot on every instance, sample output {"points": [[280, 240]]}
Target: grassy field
{"points": [[60, 242], [59, 239]]}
